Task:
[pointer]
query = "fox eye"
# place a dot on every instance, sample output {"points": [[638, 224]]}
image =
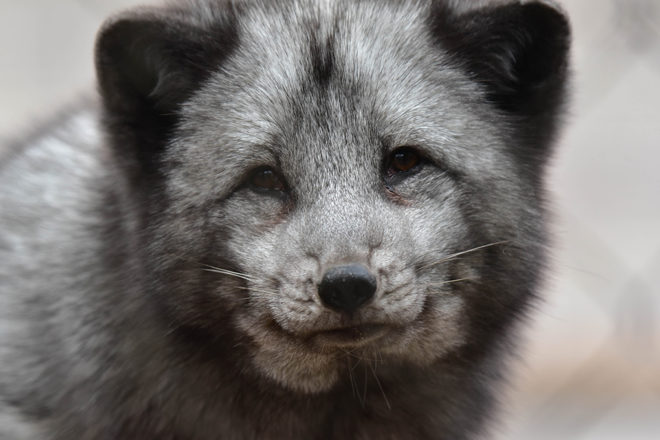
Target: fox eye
{"points": [[267, 179], [402, 160]]}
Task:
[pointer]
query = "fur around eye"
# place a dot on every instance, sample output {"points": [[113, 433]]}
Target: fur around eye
{"points": [[402, 160], [266, 179]]}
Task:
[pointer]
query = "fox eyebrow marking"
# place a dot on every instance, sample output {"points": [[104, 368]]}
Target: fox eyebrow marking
{"points": [[322, 60]]}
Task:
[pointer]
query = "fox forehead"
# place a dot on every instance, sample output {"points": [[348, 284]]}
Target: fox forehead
{"points": [[343, 87], [322, 61]]}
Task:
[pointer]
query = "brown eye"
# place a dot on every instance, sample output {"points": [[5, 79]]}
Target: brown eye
{"points": [[402, 160], [267, 179]]}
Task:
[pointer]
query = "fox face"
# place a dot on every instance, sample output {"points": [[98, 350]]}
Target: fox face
{"points": [[322, 185]]}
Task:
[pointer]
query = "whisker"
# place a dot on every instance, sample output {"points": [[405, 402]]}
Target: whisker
{"points": [[247, 299], [465, 252], [231, 273], [351, 354], [353, 363], [240, 275], [353, 384], [380, 386], [442, 283], [257, 289], [366, 385], [211, 268]]}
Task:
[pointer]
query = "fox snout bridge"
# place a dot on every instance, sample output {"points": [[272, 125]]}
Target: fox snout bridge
{"points": [[346, 288]]}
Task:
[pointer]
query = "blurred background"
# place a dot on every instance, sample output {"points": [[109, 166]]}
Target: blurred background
{"points": [[590, 368]]}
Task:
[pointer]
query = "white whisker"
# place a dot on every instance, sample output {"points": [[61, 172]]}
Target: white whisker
{"points": [[231, 273], [380, 386], [442, 283], [258, 290], [461, 253], [366, 386], [353, 384]]}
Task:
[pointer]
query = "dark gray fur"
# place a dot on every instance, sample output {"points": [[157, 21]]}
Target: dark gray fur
{"points": [[111, 326]]}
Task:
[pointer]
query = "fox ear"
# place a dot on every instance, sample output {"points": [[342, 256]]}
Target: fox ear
{"points": [[517, 51], [148, 62]]}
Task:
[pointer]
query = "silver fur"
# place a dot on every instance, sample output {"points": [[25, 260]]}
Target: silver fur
{"points": [[183, 304]]}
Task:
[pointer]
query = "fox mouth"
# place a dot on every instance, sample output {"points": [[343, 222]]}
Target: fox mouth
{"points": [[349, 337]]}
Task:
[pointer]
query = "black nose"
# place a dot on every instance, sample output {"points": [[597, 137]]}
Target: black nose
{"points": [[346, 288]]}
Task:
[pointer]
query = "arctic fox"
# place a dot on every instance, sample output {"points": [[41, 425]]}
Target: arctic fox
{"points": [[288, 219]]}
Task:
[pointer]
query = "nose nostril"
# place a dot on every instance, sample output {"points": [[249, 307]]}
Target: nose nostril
{"points": [[346, 288]]}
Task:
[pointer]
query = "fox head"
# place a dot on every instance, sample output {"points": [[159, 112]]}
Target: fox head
{"points": [[321, 184]]}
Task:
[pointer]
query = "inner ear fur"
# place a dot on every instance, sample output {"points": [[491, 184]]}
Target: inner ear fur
{"points": [[517, 51], [148, 62]]}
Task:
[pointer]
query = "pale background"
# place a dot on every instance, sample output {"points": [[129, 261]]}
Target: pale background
{"points": [[591, 368]]}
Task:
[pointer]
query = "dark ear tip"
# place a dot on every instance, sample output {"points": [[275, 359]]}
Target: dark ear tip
{"points": [[109, 39], [550, 30], [518, 50], [119, 29], [125, 55], [114, 27], [549, 16]]}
